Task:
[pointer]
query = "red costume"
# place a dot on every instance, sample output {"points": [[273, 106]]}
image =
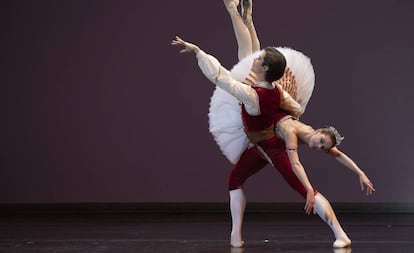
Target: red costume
{"points": [[252, 146], [272, 149]]}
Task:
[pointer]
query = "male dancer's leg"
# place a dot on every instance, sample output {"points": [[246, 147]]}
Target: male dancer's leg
{"points": [[326, 212], [250, 163], [323, 208]]}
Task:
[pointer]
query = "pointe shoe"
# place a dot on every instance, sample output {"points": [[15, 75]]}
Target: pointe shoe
{"points": [[231, 5], [342, 243], [247, 7]]}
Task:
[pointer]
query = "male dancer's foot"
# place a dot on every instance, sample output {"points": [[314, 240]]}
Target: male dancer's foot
{"points": [[342, 239], [236, 242], [237, 206], [342, 243]]}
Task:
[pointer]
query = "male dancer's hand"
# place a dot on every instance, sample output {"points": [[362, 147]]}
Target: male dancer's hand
{"points": [[188, 47]]}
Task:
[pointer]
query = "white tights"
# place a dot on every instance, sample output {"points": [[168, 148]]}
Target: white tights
{"points": [[237, 205], [325, 211], [322, 206]]}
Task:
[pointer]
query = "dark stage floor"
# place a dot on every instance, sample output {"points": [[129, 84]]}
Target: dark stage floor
{"points": [[201, 232]]}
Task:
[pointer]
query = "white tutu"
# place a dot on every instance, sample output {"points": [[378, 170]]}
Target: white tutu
{"points": [[225, 123]]}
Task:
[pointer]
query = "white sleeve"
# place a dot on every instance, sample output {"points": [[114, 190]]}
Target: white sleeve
{"points": [[220, 76]]}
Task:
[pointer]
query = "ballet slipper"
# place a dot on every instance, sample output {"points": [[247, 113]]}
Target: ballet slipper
{"points": [[237, 206], [342, 243], [236, 244]]}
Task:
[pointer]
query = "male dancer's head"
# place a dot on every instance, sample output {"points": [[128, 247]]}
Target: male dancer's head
{"points": [[269, 65]]}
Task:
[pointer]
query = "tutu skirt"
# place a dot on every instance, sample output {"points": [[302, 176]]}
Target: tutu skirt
{"points": [[225, 122]]}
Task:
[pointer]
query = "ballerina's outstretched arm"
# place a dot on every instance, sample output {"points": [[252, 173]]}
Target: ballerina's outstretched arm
{"points": [[291, 141], [350, 164]]}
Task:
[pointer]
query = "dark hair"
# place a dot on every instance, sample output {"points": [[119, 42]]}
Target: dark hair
{"points": [[333, 134], [276, 63]]}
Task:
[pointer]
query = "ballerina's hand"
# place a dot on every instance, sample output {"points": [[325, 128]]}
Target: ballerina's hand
{"points": [[363, 180], [188, 47], [310, 202]]}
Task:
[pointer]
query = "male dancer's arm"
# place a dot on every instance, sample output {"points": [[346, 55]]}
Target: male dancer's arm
{"points": [[287, 87], [288, 104], [220, 76]]}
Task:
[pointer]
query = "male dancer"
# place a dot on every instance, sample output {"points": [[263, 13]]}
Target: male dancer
{"points": [[248, 165], [260, 109], [290, 132]]}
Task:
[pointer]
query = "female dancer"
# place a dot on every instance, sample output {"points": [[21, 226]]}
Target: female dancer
{"points": [[288, 128]]}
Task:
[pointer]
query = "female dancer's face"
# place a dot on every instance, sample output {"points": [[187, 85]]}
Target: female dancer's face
{"points": [[320, 141]]}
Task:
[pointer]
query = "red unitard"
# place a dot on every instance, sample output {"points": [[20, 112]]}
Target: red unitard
{"points": [[272, 149]]}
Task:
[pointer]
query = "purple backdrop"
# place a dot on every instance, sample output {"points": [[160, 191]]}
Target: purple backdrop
{"points": [[98, 107]]}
